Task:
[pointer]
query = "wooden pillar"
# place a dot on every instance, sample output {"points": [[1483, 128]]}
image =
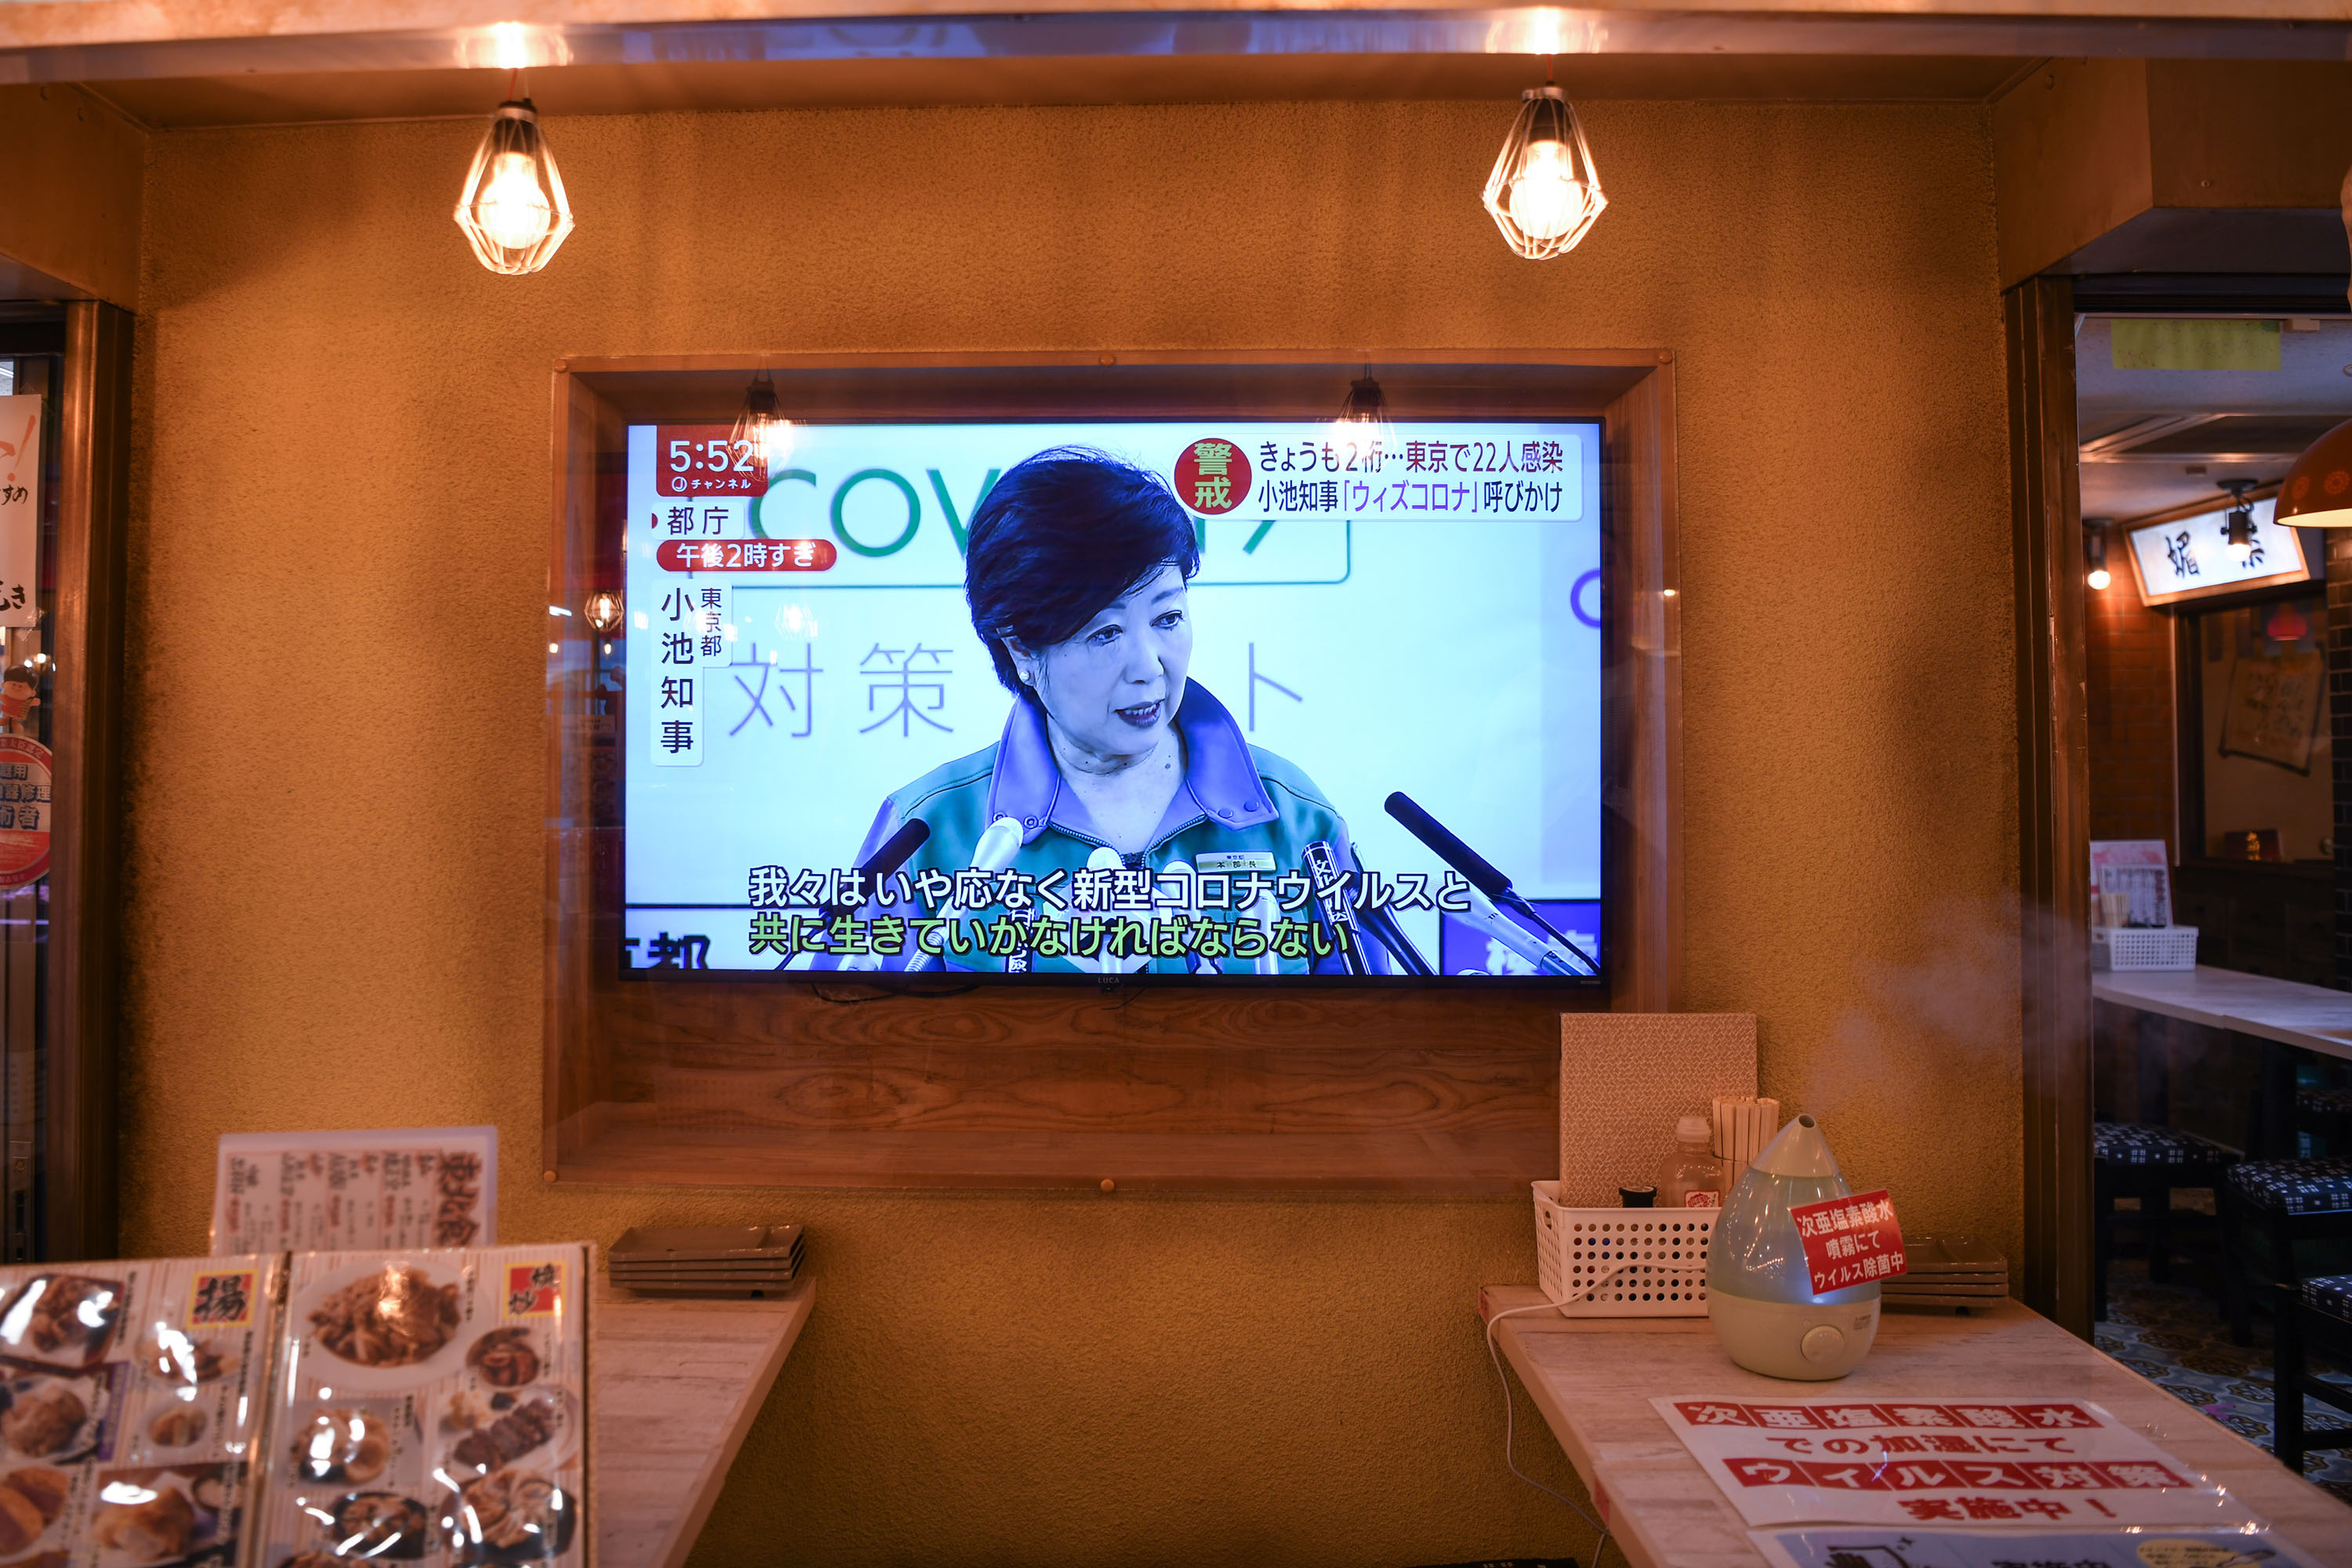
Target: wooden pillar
{"points": [[85, 884], [2339, 730], [2053, 800]]}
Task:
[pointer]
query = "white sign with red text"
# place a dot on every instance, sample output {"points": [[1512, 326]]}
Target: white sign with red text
{"points": [[1940, 1461], [1850, 1241]]}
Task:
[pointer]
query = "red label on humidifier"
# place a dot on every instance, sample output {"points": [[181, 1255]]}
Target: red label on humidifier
{"points": [[1850, 1241]]}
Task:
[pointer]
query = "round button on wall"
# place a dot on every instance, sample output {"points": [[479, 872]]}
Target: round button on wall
{"points": [[1822, 1341]]}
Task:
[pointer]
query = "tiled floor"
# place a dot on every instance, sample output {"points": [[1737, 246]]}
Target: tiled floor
{"points": [[2174, 1336]]}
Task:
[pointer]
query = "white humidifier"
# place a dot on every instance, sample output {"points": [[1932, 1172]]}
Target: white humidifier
{"points": [[1759, 1292]]}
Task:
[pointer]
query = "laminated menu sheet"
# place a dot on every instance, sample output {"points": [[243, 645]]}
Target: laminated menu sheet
{"points": [[1942, 1461], [430, 1406], [2145, 1546], [133, 1394], [405, 1186]]}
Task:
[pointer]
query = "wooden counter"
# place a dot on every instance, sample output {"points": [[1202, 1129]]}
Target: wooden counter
{"points": [[2310, 1017], [1593, 1379], [675, 1387]]}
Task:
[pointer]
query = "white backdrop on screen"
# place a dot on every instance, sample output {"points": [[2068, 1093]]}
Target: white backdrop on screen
{"points": [[1416, 628]]}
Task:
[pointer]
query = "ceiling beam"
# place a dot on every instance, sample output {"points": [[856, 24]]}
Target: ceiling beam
{"points": [[107, 40]]}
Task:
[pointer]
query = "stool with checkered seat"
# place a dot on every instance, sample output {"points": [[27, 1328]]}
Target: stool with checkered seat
{"points": [[2270, 1208], [2312, 1314], [2130, 1160], [2326, 1113]]}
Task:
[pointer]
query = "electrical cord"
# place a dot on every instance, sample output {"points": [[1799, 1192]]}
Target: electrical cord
{"points": [[1510, 1413], [886, 993]]}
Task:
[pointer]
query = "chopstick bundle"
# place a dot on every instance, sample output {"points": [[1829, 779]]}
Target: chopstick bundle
{"points": [[1742, 1128]]}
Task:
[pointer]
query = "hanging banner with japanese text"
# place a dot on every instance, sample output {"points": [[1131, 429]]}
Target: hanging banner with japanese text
{"points": [[1945, 1461], [1321, 615], [20, 509]]}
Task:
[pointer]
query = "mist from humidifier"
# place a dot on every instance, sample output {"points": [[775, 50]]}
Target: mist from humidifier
{"points": [[1544, 197], [512, 209]]}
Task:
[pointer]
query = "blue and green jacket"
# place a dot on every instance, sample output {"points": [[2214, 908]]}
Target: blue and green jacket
{"points": [[1242, 814]]}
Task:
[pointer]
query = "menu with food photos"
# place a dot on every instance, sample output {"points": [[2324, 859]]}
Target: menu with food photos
{"points": [[401, 1186], [130, 1412], [430, 1406]]}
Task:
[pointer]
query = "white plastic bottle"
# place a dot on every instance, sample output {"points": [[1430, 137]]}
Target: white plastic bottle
{"points": [[1692, 1177]]}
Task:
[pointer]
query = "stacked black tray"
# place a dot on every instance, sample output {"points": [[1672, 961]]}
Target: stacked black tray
{"points": [[1947, 1271], [707, 1261]]}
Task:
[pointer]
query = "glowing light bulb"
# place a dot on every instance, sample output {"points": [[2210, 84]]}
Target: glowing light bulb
{"points": [[1543, 192], [1363, 423], [762, 426], [1544, 197], [2238, 527], [512, 209], [2099, 578]]}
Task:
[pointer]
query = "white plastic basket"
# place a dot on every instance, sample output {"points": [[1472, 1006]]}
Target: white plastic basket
{"points": [[2143, 947], [1622, 1263]]}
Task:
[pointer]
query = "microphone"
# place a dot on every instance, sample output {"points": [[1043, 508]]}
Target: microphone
{"points": [[888, 856], [1448, 848], [997, 846], [1537, 949], [1483, 878], [899, 848], [1383, 924], [892, 853], [1331, 900]]}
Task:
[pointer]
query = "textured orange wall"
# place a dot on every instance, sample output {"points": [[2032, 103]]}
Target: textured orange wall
{"points": [[338, 604]]}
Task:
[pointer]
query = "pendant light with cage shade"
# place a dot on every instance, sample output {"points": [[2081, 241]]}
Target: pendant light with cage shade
{"points": [[513, 208], [1364, 412], [1543, 192], [605, 611], [761, 428]]}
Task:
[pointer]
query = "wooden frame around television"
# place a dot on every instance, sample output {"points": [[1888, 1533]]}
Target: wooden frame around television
{"points": [[1165, 1086]]}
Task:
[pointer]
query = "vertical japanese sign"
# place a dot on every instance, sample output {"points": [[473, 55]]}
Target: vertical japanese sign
{"points": [[20, 510]]}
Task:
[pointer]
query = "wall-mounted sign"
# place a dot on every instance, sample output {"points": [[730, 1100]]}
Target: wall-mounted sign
{"points": [[2192, 558], [20, 509]]}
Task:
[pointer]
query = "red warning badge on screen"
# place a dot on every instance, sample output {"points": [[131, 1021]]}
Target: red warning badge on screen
{"points": [[1213, 476], [1850, 1241]]}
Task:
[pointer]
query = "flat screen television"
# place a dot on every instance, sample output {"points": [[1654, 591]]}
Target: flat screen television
{"points": [[1209, 700]]}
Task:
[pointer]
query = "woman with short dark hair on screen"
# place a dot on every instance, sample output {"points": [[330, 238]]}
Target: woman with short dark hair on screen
{"points": [[1117, 773]]}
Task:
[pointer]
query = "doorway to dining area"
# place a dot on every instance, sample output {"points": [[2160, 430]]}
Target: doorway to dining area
{"points": [[2221, 1137]]}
